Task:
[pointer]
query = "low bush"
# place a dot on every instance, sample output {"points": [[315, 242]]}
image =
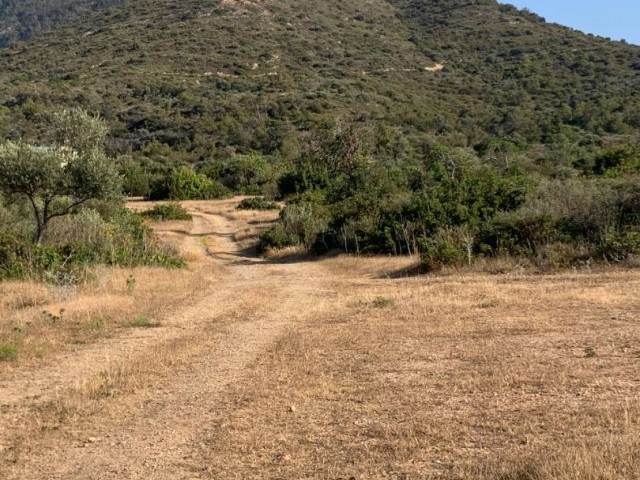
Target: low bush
{"points": [[299, 224], [618, 247], [166, 212], [517, 234], [257, 203], [449, 247], [184, 183], [85, 239], [276, 238]]}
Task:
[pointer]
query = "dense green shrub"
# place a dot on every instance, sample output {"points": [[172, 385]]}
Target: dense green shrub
{"points": [[446, 248], [618, 161], [257, 203], [136, 181], [299, 225], [517, 234], [618, 247], [276, 238], [246, 174], [166, 212], [184, 183], [12, 255], [85, 238]]}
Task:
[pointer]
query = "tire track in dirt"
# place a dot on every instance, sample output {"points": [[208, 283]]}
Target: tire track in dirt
{"points": [[153, 433], [69, 369]]}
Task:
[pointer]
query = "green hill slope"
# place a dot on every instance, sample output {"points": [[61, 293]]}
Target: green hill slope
{"points": [[205, 78], [21, 19]]}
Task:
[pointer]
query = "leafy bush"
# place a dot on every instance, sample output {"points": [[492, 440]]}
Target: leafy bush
{"points": [[449, 247], [517, 234], [136, 182], [618, 161], [245, 173], [85, 239], [12, 252], [166, 212], [257, 203], [619, 247], [299, 224], [184, 183]]}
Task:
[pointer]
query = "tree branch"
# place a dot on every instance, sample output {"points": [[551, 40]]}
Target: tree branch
{"points": [[67, 210]]}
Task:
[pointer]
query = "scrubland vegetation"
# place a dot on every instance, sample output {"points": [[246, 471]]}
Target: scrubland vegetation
{"points": [[452, 206], [523, 143], [444, 197], [62, 207]]}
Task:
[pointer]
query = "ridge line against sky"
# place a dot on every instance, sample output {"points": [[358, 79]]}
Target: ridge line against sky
{"points": [[616, 19]]}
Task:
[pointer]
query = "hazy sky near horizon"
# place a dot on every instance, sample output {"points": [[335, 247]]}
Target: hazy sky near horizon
{"points": [[616, 19]]}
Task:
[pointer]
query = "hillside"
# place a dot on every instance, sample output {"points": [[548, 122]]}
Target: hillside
{"points": [[21, 19], [209, 78]]}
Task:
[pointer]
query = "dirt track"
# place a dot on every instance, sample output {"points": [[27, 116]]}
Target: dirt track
{"points": [[154, 432]]}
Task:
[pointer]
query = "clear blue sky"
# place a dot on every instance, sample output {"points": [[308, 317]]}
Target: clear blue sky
{"points": [[616, 19]]}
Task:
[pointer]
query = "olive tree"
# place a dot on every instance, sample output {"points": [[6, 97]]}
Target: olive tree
{"points": [[59, 177]]}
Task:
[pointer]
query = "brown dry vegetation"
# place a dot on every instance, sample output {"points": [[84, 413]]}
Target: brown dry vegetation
{"points": [[44, 320], [459, 377], [41, 321], [338, 368]]}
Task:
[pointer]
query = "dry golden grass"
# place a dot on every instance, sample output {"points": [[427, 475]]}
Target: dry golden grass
{"points": [[460, 377], [382, 267], [42, 320]]}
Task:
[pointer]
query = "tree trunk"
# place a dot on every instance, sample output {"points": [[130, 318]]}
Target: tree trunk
{"points": [[40, 221]]}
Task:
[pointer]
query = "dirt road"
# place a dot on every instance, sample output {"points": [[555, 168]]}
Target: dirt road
{"points": [[154, 432]]}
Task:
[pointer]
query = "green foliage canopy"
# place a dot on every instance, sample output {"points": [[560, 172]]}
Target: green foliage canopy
{"points": [[58, 178]]}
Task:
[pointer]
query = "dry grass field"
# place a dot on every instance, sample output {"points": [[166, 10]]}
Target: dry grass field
{"points": [[290, 367]]}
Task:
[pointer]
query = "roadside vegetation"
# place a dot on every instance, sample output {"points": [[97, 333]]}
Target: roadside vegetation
{"points": [[61, 206], [453, 206], [63, 227], [257, 203]]}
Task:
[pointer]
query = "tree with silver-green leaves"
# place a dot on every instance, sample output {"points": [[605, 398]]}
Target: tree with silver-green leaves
{"points": [[59, 177]]}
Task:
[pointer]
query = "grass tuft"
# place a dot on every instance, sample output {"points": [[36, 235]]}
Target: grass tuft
{"points": [[143, 321], [8, 352]]}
